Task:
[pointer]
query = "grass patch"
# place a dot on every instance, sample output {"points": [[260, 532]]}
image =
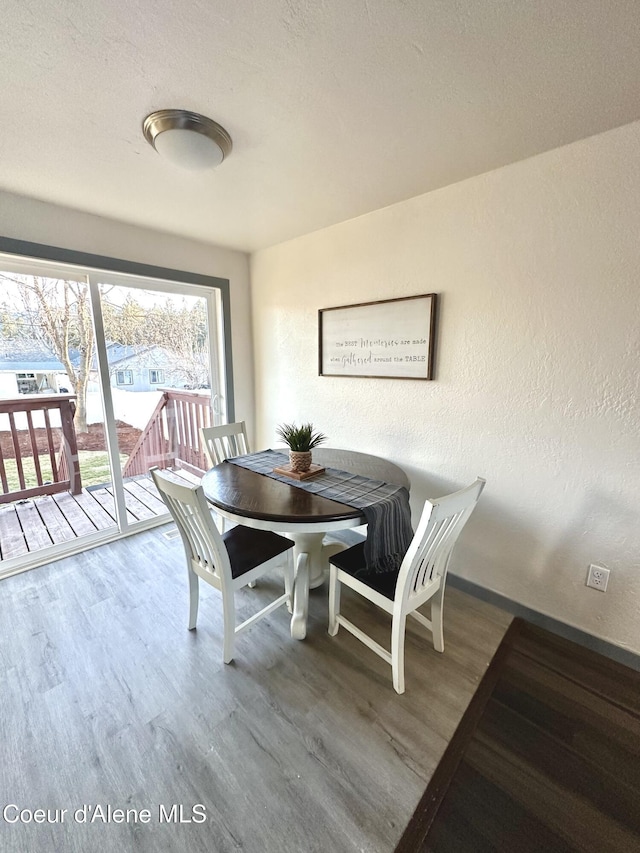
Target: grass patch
{"points": [[94, 469]]}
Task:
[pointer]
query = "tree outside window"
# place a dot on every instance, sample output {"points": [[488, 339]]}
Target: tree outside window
{"points": [[56, 314]]}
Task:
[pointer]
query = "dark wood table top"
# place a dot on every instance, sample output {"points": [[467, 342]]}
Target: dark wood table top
{"points": [[248, 494]]}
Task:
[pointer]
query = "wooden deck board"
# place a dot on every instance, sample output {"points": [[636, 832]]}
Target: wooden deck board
{"points": [[12, 541], [78, 519], [186, 476], [134, 506], [56, 524], [96, 512], [105, 498], [33, 526], [149, 498]]}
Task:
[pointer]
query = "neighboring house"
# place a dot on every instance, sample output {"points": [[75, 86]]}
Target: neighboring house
{"points": [[26, 367], [147, 368]]}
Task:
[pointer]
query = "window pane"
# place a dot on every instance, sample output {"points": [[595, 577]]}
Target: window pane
{"points": [[159, 342], [54, 468]]}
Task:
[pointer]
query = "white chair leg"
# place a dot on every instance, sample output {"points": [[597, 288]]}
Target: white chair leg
{"points": [[397, 652], [334, 601], [194, 595], [229, 615], [437, 606]]}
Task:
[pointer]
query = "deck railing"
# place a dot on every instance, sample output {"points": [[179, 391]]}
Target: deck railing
{"points": [[62, 459], [171, 438]]}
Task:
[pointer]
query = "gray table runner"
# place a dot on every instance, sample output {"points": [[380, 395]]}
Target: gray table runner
{"points": [[384, 505]]}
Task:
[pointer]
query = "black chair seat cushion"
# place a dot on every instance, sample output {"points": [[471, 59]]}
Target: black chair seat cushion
{"points": [[248, 548], [353, 563]]}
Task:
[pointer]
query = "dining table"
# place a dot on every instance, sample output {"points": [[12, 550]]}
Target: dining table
{"points": [[259, 501]]}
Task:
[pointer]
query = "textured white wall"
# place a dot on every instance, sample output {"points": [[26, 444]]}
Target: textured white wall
{"points": [[536, 382], [39, 222]]}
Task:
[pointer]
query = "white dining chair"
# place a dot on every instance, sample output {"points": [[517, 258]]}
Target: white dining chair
{"points": [[225, 441], [227, 561], [420, 579]]}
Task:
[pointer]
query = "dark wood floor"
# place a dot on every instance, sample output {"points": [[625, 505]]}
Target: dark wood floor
{"points": [[297, 746], [545, 760]]}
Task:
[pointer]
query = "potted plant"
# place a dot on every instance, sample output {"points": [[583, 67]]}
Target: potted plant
{"points": [[300, 440]]}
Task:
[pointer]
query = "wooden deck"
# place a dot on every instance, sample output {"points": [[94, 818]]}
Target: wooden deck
{"points": [[30, 525]]}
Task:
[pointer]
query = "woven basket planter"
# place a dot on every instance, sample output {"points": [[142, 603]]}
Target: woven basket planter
{"points": [[300, 460]]}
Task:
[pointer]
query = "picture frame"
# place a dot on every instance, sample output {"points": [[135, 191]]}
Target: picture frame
{"points": [[390, 338]]}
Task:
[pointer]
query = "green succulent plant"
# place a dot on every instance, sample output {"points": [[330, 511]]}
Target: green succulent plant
{"points": [[300, 438]]}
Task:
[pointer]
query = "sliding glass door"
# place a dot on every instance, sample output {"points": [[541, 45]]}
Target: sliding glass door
{"points": [[102, 376]]}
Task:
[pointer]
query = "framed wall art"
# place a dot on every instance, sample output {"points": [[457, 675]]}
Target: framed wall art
{"points": [[392, 338]]}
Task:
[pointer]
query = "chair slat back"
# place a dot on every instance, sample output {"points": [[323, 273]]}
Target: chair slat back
{"points": [[440, 525], [224, 442], [203, 543]]}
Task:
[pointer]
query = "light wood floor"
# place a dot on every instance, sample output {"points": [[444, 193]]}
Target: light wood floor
{"points": [[107, 699]]}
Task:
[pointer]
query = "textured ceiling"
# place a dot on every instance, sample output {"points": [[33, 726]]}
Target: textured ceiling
{"points": [[335, 107]]}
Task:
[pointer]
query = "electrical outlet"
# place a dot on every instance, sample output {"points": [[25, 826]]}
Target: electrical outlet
{"points": [[598, 577]]}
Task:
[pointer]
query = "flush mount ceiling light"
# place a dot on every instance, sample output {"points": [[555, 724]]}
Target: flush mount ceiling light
{"points": [[187, 139]]}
